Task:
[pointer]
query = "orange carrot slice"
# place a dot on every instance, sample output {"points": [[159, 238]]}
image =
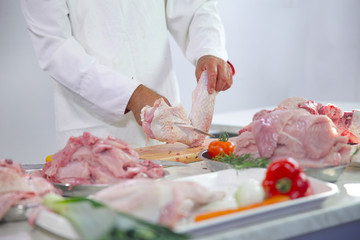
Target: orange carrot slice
{"points": [[268, 201]]}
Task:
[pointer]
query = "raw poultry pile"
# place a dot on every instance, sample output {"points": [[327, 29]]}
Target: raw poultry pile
{"points": [[164, 202], [19, 188], [315, 135], [88, 159], [171, 124]]}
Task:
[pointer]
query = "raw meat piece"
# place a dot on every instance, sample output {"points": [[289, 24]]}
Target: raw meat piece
{"points": [[340, 119], [354, 125], [162, 122], [311, 133], [171, 124], [18, 187], [202, 109], [164, 202], [91, 160]]}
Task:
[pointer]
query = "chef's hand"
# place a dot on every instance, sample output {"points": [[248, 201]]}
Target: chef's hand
{"points": [[141, 97], [220, 73]]}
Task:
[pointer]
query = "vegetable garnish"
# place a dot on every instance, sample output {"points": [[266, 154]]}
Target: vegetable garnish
{"points": [[268, 201], [48, 158], [286, 177], [356, 151], [243, 161], [249, 192], [93, 220], [221, 147]]}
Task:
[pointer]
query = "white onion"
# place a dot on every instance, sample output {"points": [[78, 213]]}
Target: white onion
{"points": [[249, 192]]}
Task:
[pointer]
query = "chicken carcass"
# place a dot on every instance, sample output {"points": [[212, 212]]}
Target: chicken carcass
{"points": [[171, 124], [18, 187], [297, 129], [348, 123], [91, 160], [164, 202]]}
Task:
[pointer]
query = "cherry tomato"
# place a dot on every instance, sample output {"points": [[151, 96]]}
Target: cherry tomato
{"points": [[221, 146]]}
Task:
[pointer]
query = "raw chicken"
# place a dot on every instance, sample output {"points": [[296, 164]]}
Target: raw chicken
{"points": [[348, 123], [162, 122], [351, 121], [164, 202], [91, 160], [18, 187], [202, 109], [307, 131], [171, 124]]}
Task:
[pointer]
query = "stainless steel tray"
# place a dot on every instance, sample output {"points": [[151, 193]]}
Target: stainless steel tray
{"points": [[85, 190], [17, 213], [79, 190]]}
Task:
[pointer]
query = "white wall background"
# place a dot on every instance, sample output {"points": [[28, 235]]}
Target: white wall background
{"points": [[280, 48]]}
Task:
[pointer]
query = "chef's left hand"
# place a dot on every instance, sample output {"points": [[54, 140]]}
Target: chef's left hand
{"points": [[220, 73]]}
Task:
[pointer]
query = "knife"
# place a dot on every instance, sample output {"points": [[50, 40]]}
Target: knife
{"points": [[195, 129], [36, 166], [202, 132]]}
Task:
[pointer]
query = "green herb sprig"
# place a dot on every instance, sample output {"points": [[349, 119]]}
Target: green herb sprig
{"points": [[243, 161]]}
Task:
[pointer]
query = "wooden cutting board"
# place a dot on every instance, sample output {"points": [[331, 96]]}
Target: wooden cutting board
{"points": [[173, 152]]}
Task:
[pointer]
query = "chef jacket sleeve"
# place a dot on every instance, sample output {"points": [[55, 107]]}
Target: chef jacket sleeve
{"points": [[197, 28], [104, 90]]}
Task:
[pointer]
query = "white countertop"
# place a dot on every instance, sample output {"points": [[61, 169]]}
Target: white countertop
{"points": [[338, 210]]}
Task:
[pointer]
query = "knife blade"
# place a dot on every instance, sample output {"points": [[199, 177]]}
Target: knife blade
{"points": [[195, 129], [36, 166], [165, 163], [202, 132]]}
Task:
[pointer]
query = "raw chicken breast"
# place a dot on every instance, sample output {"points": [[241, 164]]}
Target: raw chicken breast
{"points": [[163, 202], [171, 124]]}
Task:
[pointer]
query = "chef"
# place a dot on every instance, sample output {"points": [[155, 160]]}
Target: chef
{"points": [[110, 58]]}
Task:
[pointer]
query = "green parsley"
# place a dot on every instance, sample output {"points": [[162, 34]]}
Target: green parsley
{"points": [[243, 161]]}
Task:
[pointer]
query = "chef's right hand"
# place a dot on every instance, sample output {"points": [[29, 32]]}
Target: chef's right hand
{"points": [[220, 73], [141, 97]]}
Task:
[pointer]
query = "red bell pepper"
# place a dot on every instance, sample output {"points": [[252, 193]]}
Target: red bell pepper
{"points": [[286, 177]]}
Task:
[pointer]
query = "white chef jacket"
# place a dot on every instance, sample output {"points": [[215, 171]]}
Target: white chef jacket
{"points": [[98, 52]]}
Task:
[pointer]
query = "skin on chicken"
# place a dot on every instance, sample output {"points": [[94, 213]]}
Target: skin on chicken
{"points": [[164, 202], [171, 124], [309, 132]]}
